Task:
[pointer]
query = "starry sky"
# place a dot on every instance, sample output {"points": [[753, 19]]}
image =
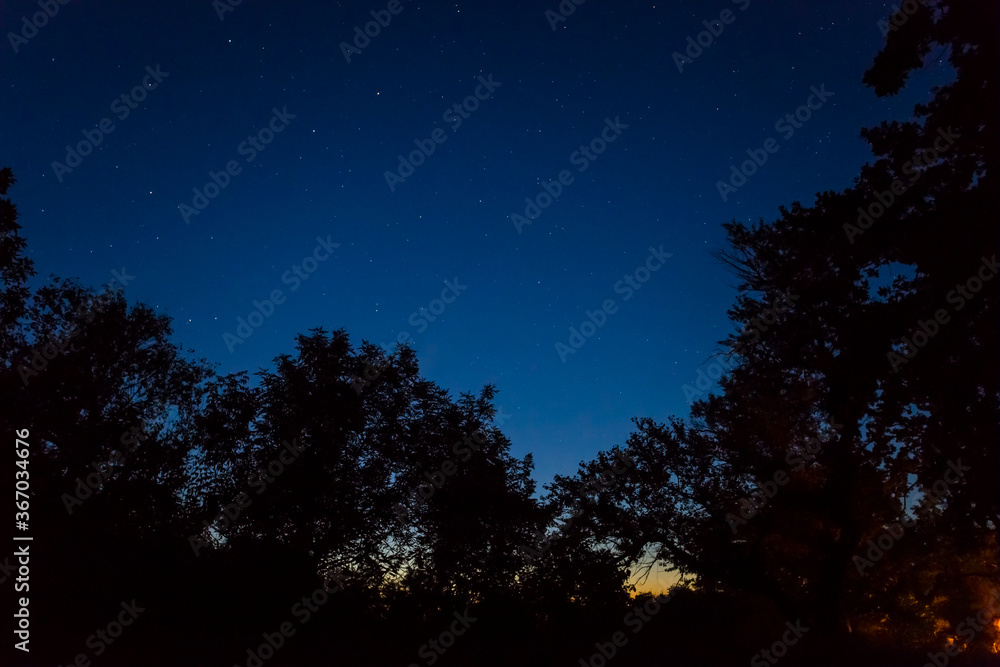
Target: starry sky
{"points": [[235, 150]]}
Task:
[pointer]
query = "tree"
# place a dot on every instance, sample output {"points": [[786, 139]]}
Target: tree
{"points": [[395, 481], [907, 412], [15, 269], [106, 399]]}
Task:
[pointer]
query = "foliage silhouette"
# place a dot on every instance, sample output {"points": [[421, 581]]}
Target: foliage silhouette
{"points": [[219, 503]]}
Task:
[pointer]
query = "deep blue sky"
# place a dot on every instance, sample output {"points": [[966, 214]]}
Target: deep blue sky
{"points": [[323, 176]]}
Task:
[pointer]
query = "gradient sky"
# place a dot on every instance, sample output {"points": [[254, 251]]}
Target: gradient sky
{"points": [[323, 176]]}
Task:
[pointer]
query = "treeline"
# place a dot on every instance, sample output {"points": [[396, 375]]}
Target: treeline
{"points": [[835, 500]]}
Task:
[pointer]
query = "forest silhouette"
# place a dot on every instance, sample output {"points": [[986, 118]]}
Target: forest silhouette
{"points": [[834, 501]]}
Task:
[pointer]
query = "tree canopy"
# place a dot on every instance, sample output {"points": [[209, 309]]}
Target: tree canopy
{"points": [[843, 476]]}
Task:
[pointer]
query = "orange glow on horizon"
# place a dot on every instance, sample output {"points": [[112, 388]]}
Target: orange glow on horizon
{"points": [[657, 583]]}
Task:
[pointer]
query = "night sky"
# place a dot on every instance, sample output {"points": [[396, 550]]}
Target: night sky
{"points": [[267, 92]]}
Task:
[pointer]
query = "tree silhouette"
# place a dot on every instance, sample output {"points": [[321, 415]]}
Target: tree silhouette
{"points": [[843, 476], [905, 411], [15, 269]]}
